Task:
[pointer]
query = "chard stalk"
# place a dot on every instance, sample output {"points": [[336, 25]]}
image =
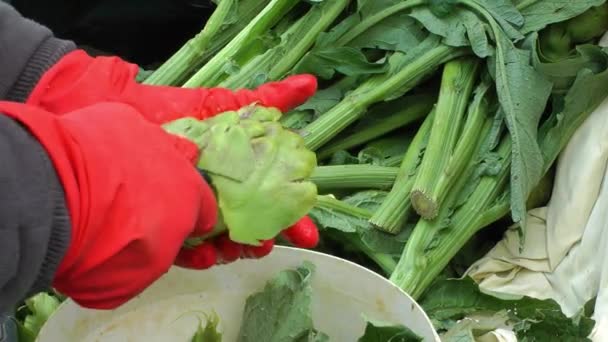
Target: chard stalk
{"points": [[434, 243], [394, 161], [395, 209], [459, 77], [295, 42], [418, 107], [213, 71], [354, 177], [376, 89], [218, 31]]}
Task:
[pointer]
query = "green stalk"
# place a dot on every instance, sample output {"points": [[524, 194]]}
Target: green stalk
{"points": [[395, 209], [354, 177], [459, 77], [432, 245], [295, 42], [418, 107], [333, 204], [478, 124], [394, 161], [385, 261], [374, 90], [218, 31], [211, 73], [179, 65]]}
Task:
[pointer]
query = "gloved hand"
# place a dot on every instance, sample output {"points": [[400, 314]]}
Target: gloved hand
{"points": [[129, 221], [79, 80]]}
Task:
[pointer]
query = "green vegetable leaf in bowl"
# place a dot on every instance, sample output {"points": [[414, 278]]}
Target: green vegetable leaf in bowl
{"points": [[282, 310], [381, 331]]}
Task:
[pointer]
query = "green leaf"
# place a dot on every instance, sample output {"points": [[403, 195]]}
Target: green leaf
{"points": [[540, 13], [369, 200], [387, 243], [588, 90], [352, 214], [330, 54], [41, 307], [282, 310], [460, 28], [376, 331], [344, 60], [328, 218], [209, 332], [506, 15], [325, 99], [523, 93], [442, 8], [470, 328], [397, 32], [296, 119], [532, 319]]}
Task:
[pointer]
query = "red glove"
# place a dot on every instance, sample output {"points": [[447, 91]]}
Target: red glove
{"points": [[129, 221], [79, 80], [132, 194]]}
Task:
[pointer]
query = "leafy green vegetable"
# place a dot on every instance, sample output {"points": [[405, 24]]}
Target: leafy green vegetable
{"points": [[384, 332], [540, 13], [344, 60], [274, 63], [522, 91], [531, 319], [245, 154], [589, 88], [282, 311], [405, 72], [40, 306], [471, 328], [209, 332]]}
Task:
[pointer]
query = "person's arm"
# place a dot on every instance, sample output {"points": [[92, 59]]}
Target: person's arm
{"points": [[28, 51], [34, 222]]}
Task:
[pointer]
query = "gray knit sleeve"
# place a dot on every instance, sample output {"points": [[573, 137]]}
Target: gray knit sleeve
{"points": [[27, 51], [34, 220]]}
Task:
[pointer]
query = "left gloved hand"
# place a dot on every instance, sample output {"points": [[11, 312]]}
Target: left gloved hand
{"points": [[79, 80]]}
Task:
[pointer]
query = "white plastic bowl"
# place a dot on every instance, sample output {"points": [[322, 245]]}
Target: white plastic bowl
{"points": [[166, 311]]}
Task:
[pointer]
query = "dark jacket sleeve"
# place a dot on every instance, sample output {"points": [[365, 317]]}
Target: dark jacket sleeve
{"points": [[27, 51], [34, 222]]}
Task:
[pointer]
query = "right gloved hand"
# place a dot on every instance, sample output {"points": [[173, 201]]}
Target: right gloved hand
{"points": [[79, 80], [133, 195]]}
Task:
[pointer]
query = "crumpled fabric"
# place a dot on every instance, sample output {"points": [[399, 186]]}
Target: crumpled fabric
{"points": [[565, 255]]}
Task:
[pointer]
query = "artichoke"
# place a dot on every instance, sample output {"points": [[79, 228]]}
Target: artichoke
{"points": [[258, 169]]}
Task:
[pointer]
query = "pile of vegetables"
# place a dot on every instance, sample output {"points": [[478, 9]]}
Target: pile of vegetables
{"points": [[437, 125]]}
